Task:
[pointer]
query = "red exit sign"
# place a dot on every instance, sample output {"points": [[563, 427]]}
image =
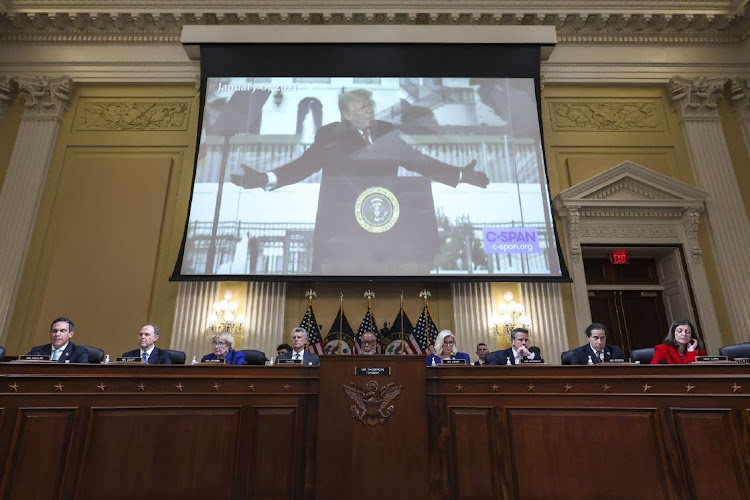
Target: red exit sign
{"points": [[619, 257]]}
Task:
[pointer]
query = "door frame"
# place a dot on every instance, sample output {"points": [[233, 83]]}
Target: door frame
{"points": [[632, 205]]}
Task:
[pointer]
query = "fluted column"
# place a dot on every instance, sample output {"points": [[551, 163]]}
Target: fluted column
{"points": [[194, 302], [695, 101], [264, 317], [5, 94], [544, 304], [739, 100], [472, 310], [45, 103]]}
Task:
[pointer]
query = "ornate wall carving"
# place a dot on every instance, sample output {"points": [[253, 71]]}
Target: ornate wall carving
{"points": [[739, 98], [606, 116], [128, 115], [629, 231], [5, 93], [45, 97], [696, 98]]}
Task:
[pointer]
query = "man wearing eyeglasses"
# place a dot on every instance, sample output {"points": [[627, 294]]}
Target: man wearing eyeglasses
{"points": [[148, 352], [369, 343]]}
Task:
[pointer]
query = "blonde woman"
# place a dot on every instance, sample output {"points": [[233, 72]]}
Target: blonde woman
{"points": [[445, 348]]}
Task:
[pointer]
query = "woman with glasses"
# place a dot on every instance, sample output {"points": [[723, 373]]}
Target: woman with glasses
{"points": [[445, 348], [222, 344]]}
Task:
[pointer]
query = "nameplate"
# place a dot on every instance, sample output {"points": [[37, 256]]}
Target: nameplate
{"points": [[34, 357], [532, 361], [128, 359], [711, 358], [453, 361], [742, 360], [212, 360], [288, 361], [616, 360], [374, 371]]}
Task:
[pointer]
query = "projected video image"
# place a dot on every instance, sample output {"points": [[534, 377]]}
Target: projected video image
{"points": [[370, 177]]}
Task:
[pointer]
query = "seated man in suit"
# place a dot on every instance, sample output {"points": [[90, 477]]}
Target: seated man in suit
{"points": [[60, 348], [369, 343], [148, 352], [283, 349], [597, 349], [518, 351], [482, 352], [299, 339]]}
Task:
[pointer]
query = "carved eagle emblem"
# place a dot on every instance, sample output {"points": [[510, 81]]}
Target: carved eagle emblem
{"points": [[372, 403]]}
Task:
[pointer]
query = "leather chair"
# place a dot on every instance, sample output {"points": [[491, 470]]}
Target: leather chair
{"points": [[96, 355], [566, 357], [2, 353], [177, 357], [254, 357], [736, 351], [643, 355]]}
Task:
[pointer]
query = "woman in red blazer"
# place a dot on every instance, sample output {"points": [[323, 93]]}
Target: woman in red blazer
{"points": [[681, 346]]}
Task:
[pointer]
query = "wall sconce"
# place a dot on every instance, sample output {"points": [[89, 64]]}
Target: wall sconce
{"points": [[278, 97], [512, 315], [222, 319]]}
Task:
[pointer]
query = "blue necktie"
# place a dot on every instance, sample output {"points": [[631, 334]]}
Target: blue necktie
{"points": [[56, 354], [145, 357]]}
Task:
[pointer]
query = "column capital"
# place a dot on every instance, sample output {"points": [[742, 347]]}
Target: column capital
{"points": [[696, 98], [45, 97], [6, 89], [739, 98]]}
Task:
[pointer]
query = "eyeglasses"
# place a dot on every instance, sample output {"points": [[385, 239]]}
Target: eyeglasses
{"points": [[449, 342], [218, 344], [369, 342]]}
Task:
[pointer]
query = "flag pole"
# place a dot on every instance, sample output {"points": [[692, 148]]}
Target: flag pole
{"points": [[309, 294], [401, 314], [425, 294], [341, 319]]}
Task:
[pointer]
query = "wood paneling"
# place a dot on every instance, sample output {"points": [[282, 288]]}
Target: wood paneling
{"points": [[471, 437], [274, 436]]}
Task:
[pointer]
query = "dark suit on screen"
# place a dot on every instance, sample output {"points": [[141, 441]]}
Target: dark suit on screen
{"points": [[308, 358], [502, 357], [72, 353], [232, 358], [580, 355], [157, 357]]}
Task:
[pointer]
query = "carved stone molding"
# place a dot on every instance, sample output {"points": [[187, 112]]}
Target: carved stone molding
{"points": [[690, 220], [697, 98], [6, 89], [45, 97], [574, 218], [739, 98], [606, 116], [152, 27], [629, 231], [128, 115], [632, 185]]}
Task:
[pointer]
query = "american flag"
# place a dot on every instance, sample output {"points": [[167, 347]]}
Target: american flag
{"points": [[314, 338], [402, 324], [425, 332], [367, 325]]}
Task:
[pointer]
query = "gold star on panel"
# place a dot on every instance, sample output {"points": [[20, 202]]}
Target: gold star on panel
{"points": [[287, 387], [459, 388], [216, 386], [736, 388], [568, 387], [59, 386], [141, 386], [179, 387], [646, 387], [101, 386], [530, 387], [14, 387], [251, 387], [606, 387], [690, 387], [495, 387]]}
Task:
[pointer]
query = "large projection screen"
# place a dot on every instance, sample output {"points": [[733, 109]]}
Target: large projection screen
{"points": [[371, 160]]}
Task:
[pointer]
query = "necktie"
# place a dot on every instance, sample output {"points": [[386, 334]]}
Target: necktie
{"points": [[366, 136], [601, 356], [145, 357], [56, 354], [296, 355]]}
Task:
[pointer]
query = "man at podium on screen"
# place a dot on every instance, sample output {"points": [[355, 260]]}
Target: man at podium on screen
{"points": [[361, 195]]}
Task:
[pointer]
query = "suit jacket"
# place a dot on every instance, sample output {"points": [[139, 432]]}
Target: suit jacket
{"points": [[502, 357], [72, 353], [670, 355], [581, 354], [308, 358], [233, 357], [158, 356], [459, 355]]}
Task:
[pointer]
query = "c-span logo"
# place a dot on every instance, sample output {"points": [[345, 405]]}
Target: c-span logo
{"points": [[376, 209]]}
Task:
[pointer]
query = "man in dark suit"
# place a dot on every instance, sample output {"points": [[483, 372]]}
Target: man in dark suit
{"points": [[299, 339], [518, 352], [597, 349], [148, 352], [353, 154], [482, 352], [60, 348]]}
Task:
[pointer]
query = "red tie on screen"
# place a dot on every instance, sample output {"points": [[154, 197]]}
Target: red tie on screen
{"points": [[366, 136]]}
